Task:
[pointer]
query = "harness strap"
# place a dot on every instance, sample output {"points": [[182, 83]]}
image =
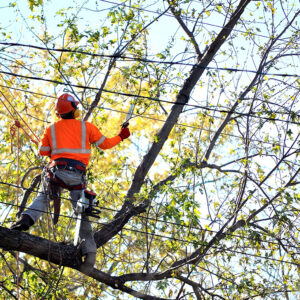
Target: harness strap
{"points": [[60, 164], [53, 188], [56, 181]]}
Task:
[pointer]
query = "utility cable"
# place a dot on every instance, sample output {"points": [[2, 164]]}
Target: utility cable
{"points": [[128, 58], [150, 98], [152, 118], [147, 218], [180, 240], [210, 108]]}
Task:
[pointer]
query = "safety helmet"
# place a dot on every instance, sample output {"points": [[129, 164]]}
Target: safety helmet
{"points": [[65, 104]]}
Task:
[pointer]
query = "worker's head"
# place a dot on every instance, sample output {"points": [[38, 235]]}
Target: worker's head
{"points": [[66, 107]]}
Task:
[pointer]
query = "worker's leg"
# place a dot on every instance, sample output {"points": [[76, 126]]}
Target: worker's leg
{"points": [[33, 213], [38, 206], [88, 246], [86, 232]]}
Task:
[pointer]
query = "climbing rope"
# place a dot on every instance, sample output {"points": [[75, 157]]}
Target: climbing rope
{"points": [[15, 129], [17, 123]]}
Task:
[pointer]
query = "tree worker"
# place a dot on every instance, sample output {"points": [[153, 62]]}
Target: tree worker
{"points": [[68, 144]]}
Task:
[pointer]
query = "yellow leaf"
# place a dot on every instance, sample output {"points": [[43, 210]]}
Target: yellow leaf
{"points": [[271, 7], [207, 227]]}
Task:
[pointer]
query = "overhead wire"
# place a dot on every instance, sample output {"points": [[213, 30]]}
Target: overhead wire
{"points": [[147, 218], [128, 58], [192, 19], [53, 97], [151, 98], [151, 118], [181, 240]]}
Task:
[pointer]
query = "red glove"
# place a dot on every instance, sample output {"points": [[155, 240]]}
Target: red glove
{"points": [[124, 133]]}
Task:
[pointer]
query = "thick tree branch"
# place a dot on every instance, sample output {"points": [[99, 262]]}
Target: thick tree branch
{"points": [[59, 254], [109, 230]]}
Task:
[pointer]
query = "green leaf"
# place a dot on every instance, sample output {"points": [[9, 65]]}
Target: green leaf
{"points": [[161, 56]]}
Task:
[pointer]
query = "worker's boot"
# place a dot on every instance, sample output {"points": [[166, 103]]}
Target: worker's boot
{"points": [[88, 264], [23, 223]]}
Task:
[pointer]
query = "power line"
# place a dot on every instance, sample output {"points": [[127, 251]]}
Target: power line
{"points": [[138, 115], [215, 247], [27, 91], [150, 98], [147, 218], [155, 235], [152, 118], [128, 58]]}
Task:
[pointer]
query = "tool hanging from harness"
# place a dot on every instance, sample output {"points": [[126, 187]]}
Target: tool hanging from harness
{"points": [[53, 184]]}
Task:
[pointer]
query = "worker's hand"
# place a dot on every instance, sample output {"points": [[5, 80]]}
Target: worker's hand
{"points": [[124, 133]]}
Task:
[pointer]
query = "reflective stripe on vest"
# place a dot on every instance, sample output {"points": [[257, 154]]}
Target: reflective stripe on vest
{"points": [[81, 150], [42, 148], [100, 141]]}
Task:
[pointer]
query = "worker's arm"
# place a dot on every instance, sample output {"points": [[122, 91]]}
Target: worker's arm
{"points": [[109, 142], [97, 138], [45, 149]]}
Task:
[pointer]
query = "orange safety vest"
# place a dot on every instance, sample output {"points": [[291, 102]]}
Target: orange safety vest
{"points": [[71, 138]]}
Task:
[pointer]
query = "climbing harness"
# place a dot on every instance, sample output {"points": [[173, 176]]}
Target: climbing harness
{"points": [[53, 184]]}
